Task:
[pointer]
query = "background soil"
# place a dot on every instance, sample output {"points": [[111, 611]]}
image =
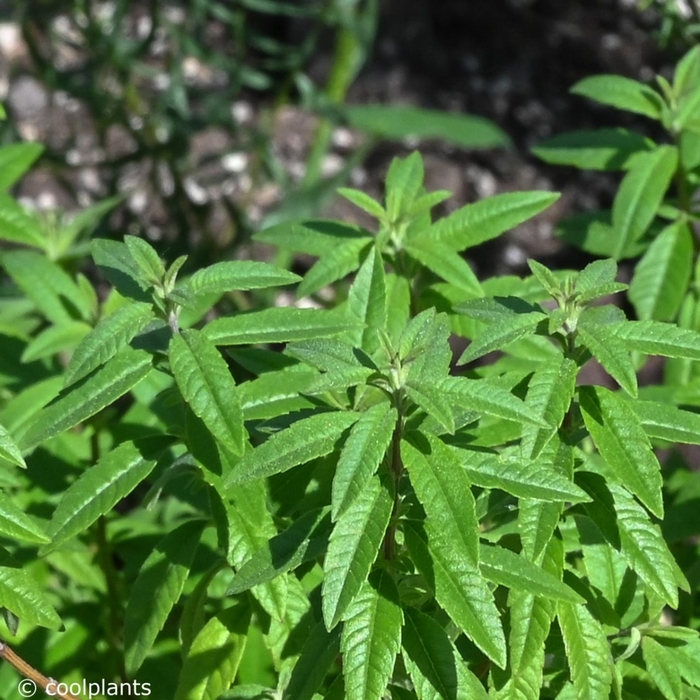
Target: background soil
{"points": [[512, 61]]}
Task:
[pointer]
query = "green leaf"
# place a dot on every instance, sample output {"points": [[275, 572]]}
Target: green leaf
{"points": [[587, 652], [304, 440], [444, 491], [488, 218], [403, 183], [207, 385], [641, 192], [621, 93], [667, 422], [434, 665], [611, 353], [108, 337], [17, 226], [78, 403], [119, 267], [363, 201], [18, 525], [657, 338], [485, 397], [146, 258], [623, 444], [662, 276], [333, 266], [22, 595], [522, 479], [299, 543], [361, 455], [430, 399], [367, 301], [500, 334], [514, 571], [599, 149], [549, 396], [459, 588], [445, 263], [54, 340], [319, 652], [371, 638], [277, 325], [243, 275], [212, 661], [314, 237], [55, 294], [662, 667], [353, 547], [404, 122], [99, 488], [546, 278], [156, 590], [9, 449], [626, 525], [687, 73], [15, 160]]}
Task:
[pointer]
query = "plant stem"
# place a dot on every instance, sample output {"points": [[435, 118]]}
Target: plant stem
{"points": [[19, 664], [396, 472], [106, 563]]}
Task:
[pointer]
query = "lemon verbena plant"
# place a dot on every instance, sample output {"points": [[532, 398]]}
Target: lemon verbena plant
{"points": [[326, 500]]}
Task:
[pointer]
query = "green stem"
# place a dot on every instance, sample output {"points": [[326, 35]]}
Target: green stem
{"points": [[396, 467], [106, 563]]}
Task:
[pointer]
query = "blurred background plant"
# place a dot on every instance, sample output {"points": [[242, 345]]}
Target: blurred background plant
{"points": [[175, 106], [680, 21]]}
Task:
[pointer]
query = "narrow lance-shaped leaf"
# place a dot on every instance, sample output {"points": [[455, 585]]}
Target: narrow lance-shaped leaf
{"points": [[79, 402], [443, 488], [22, 595], [587, 652], [402, 122], [334, 265], [367, 300], [514, 571], [445, 263], [353, 547], [624, 446], [18, 525], [157, 589], [319, 652], [371, 638], [9, 449], [361, 455], [661, 665], [434, 665], [230, 275], [500, 334], [640, 194], [488, 218], [212, 661], [15, 160], [459, 588], [109, 336], [549, 396], [207, 386], [626, 525], [304, 540], [303, 441], [99, 488], [523, 479], [611, 353], [278, 325], [656, 338], [667, 422], [662, 276], [597, 149], [622, 93], [488, 398]]}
